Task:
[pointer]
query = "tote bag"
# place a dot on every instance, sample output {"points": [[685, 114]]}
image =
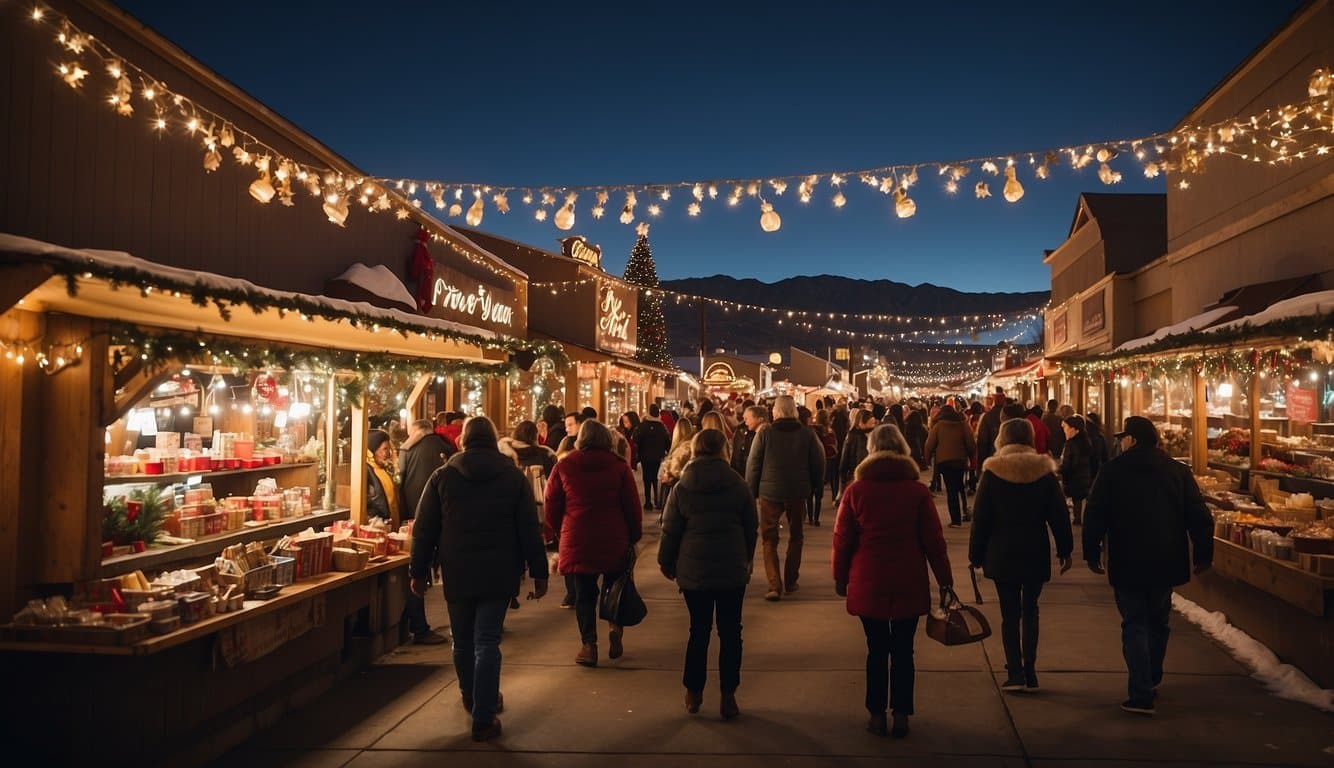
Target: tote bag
{"points": [[953, 623], [620, 602]]}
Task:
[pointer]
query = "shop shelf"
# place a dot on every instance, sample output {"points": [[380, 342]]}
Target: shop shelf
{"points": [[206, 476]]}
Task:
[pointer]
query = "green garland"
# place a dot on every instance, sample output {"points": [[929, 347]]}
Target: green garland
{"points": [[158, 349], [225, 299], [1156, 359]]}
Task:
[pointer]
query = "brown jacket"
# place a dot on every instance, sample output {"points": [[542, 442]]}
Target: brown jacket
{"points": [[950, 440]]}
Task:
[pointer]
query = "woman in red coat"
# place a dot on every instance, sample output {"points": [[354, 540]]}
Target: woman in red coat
{"points": [[592, 508], [887, 531]]}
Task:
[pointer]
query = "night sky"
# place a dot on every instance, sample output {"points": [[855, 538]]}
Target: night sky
{"points": [[575, 93]]}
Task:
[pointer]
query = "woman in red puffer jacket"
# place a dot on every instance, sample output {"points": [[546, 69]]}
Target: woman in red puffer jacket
{"points": [[592, 508], [886, 534]]}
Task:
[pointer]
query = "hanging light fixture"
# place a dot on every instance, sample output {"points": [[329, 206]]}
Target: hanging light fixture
{"points": [[565, 216], [262, 189], [335, 207], [904, 206], [1013, 189], [770, 221], [475, 211]]}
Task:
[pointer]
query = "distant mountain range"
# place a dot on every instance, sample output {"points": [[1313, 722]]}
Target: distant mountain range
{"points": [[750, 332]]}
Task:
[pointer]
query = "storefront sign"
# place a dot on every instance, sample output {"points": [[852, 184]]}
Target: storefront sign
{"points": [[580, 249], [468, 300], [719, 374], [616, 318], [1301, 403], [1095, 316], [1059, 331]]}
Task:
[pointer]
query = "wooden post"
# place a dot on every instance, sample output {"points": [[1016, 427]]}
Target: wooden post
{"points": [[1254, 403], [19, 419], [415, 397], [358, 458], [1199, 428], [330, 440]]}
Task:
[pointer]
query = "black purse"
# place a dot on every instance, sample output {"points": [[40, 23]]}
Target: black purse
{"points": [[620, 602]]}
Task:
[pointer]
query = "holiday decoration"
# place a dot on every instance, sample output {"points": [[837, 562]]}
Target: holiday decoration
{"points": [[770, 221], [421, 267], [650, 324]]}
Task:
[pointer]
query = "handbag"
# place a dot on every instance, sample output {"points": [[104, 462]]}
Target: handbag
{"points": [[953, 623], [620, 602]]}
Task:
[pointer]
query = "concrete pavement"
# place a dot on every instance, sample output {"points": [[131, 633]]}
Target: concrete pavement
{"points": [[801, 693]]}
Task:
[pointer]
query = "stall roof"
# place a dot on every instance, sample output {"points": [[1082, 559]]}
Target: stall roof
{"points": [[1018, 370], [1202, 320]]}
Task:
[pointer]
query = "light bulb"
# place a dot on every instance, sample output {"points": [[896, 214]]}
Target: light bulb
{"points": [[770, 221], [904, 205], [475, 211], [627, 214], [262, 189], [1013, 189], [336, 210], [840, 200], [565, 216]]}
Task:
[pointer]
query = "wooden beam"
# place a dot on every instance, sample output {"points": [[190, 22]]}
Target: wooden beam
{"points": [[1199, 428], [1254, 403], [358, 458], [20, 426], [414, 397], [330, 441], [136, 387], [18, 280]]}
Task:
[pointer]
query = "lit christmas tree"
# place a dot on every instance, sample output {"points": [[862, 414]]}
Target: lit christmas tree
{"points": [[650, 325]]}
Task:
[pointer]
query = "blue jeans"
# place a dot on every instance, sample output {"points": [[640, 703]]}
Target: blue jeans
{"points": [[1144, 630], [476, 626]]}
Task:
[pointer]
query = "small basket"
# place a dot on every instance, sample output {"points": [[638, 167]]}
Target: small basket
{"points": [[284, 570], [252, 580]]}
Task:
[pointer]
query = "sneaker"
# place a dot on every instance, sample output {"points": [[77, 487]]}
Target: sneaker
{"points": [[429, 638], [1013, 684], [486, 732], [1138, 707], [772, 596]]}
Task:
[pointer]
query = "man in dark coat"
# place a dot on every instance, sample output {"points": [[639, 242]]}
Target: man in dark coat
{"points": [[989, 427], [751, 420], [420, 456], [841, 422], [786, 463], [1149, 508], [478, 517], [1052, 419], [652, 440]]}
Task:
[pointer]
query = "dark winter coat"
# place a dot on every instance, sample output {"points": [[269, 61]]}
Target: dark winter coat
{"points": [[1077, 467], [416, 464], [1056, 442], [555, 434], [950, 441], [886, 533], [841, 422], [1098, 456], [741, 443], [478, 516], [651, 441], [525, 455], [1018, 500], [855, 450], [989, 428], [786, 461], [1147, 505], [916, 435], [709, 528], [592, 508]]}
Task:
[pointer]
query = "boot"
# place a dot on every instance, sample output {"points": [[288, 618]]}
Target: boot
{"points": [[615, 637], [729, 709], [877, 725], [486, 732], [693, 700], [900, 728], [588, 655]]}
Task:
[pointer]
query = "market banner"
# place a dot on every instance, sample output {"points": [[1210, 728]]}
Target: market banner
{"points": [[616, 308], [1094, 312], [1301, 403]]}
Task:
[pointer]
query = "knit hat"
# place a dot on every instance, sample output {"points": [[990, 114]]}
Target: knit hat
{"points": [[375, 439]]}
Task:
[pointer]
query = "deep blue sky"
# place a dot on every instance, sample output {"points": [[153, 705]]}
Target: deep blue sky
{"points": [[575, 93]]}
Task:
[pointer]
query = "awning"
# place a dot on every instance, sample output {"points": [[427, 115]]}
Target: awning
{"points": [[1202, 320], [1033, 368]]}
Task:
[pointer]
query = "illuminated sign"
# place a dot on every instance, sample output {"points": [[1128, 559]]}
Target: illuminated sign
{"points": [[578, 248], [616, 318], [719, 373], [464, 299]]}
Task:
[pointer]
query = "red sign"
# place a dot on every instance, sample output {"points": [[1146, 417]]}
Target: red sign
{"points": [[1301, 403]]}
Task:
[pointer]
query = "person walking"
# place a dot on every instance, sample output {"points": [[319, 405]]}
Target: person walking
{"points": [[974, 416], [477, 516], [709, 532], [855, 447], [625, 428], [1041, 437], [988, 427], [651, 442], [829, 442], [840, 420], [1150, 510], [1052, 420], [1018, 500], [551, 428], [1076, 465], [592, 507], [677, 458], [950, 446], [786, 462], [751, 419], [420, 456], [886, 534], [1097, 441], [526, 451], [916, 435]]}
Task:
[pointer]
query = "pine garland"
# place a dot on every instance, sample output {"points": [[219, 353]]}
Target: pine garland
{"points": [[650, 323]]}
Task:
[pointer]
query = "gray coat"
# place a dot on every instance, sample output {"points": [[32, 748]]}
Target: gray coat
{"points": [[786, 461], [709, 528]]}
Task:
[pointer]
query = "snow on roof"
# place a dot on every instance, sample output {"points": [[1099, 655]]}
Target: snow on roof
{"points": [[92, 259], [1316, 303], [1202, 320], [379, 280]]}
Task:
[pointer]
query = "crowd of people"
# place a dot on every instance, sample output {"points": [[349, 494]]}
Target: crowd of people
{"points": [[732, 476]]}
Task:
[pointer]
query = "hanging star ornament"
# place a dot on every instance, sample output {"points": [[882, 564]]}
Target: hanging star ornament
{"points": [[642, 229]]}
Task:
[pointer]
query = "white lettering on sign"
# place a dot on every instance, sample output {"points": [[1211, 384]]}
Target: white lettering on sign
{"points": [[581, 251], [615, 322], [480, 304]]}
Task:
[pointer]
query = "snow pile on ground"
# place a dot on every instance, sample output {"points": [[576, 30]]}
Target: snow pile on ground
{"points": [[1283, 680]]}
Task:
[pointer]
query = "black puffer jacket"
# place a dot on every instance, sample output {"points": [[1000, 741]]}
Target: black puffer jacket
{"points": [[1147, 506], [855, 451], [1077, 467], [416, 464], [478, 513], [1018, 499], [709, 528]]}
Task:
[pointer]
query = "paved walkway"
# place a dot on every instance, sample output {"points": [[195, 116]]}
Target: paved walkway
{"points": [[801, 694]]}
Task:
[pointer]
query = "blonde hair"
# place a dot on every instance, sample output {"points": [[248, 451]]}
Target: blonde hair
{"points": [[593, 436], [682, 434]]}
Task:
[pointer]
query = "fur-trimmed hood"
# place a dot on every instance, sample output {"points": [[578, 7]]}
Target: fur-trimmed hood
{"points": [[1019, 464], [887, 466]]}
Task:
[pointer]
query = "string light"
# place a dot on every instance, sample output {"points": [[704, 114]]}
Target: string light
{"points": [[1277, 135]]}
